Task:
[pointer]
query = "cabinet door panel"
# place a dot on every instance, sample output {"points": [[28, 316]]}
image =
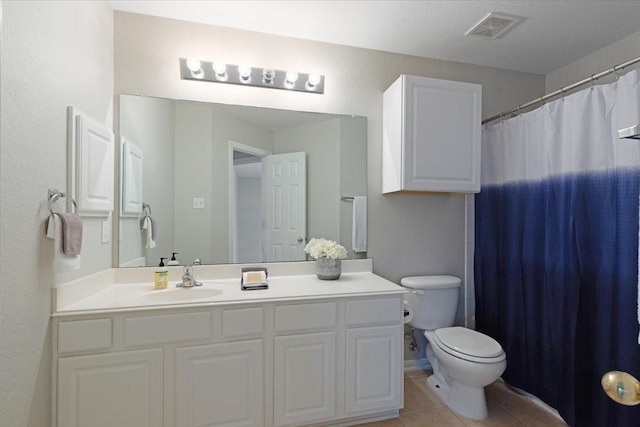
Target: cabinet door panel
{"points": [[304, 378], [115, 389], [220, 385], [374, 368], [431, 135]]}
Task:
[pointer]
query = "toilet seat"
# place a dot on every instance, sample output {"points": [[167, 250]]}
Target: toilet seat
{"points": [[468, 345]]}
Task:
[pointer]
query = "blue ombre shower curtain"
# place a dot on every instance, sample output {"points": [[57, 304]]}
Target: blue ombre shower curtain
{"points": [[556, 254]]}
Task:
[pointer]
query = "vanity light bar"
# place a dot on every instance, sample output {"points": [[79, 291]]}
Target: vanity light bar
{"points": [[194, 69]]}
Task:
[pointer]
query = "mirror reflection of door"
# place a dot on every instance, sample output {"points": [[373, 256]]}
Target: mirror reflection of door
{"points": [[285, 200]]}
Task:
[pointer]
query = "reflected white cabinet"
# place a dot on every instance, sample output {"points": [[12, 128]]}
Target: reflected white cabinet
{"points": [[304, 378], [431, 136], [121, 389], [374, 368], [220, 385]]}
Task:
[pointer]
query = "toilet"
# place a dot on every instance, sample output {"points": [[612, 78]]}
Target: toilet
{"points": [[464, 361]]}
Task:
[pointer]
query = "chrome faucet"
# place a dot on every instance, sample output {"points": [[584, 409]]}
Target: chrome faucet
{"points": [[188, 279]]}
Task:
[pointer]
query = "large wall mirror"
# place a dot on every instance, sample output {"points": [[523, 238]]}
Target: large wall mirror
{"points": [[234, 184]]}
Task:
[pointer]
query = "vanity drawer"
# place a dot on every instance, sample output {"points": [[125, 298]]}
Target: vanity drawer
{"points": [[303, 317], [242, 321], [84, 335], [140, 331], [374, 311]]}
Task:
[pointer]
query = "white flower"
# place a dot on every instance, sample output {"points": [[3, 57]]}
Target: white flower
{"points": [[318, 248]]}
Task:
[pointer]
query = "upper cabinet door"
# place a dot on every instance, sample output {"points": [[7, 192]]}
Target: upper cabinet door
{"points": [[431, 136]]}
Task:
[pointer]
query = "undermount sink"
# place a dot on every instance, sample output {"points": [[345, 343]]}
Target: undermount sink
{"points": [[176, 295]]}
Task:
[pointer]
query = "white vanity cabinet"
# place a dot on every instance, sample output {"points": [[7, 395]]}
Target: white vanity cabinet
{"points": [[113, 389], [219, 384], [374, 358], [296, 362], [305, 363], [431, 136]]}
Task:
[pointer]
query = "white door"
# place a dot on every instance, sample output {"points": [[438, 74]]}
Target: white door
{"points": [[304, 378], [220, 385], [284, 178], [113, 389], [374, 368]]}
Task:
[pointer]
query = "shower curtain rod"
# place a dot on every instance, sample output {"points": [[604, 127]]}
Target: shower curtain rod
{"points": [[561, 91]]}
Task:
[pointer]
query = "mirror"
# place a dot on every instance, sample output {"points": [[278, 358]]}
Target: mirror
{"points": [[211, 178]]}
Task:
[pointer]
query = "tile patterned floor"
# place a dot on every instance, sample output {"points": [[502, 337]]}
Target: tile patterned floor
{"points": [[506, 408]]}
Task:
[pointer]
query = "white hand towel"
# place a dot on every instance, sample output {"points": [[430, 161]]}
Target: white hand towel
{"points": [[147, 225], [61, 262], [359, 238]]}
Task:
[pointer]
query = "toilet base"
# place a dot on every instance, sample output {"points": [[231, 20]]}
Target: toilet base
{"points": [[467, 401]]}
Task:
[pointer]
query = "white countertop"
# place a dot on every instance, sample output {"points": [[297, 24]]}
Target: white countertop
{"points": [[112, 297]]}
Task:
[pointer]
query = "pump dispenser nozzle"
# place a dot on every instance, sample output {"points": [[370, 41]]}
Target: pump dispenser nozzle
{"points": [[173, 260], [162, 260]]}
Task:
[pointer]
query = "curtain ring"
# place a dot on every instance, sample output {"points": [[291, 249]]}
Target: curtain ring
{"points": [[562, 93], [615, 71]]}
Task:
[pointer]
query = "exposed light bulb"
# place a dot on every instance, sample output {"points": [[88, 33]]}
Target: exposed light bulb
{"points": [[290, 80], [220, 70], [245, 73], [292, 76], [194, 66], [313, 81]]}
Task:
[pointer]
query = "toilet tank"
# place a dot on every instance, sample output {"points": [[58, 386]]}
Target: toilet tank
{"points": [[433, 300]]}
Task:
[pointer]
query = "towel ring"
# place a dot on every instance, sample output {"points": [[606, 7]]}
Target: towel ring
{"points": [[146, 209], [54, 195]]}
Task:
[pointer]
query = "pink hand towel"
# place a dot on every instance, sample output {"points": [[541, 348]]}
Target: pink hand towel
{"points": [[71, 233]]}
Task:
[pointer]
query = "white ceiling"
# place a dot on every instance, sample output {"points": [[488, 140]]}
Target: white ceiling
{"points": [[551, 35]]}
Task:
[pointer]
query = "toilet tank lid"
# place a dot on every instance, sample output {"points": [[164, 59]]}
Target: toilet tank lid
{"points": [[431, 282]]}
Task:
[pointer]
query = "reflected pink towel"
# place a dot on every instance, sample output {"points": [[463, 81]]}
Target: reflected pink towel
{"points": [[71, 233]]}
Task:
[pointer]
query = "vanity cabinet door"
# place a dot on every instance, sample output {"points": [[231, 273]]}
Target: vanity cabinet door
{"points": [[431, 136], [374, 368], [113, 389], [304, 378], [220, 385]]}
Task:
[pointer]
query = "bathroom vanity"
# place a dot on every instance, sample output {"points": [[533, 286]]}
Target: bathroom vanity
{"points": [[303, 352]]}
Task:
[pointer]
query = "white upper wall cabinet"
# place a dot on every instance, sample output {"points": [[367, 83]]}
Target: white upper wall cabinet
{"points": [[431, 136]]}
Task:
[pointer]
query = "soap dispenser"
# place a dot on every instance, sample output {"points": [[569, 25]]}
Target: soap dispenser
{"points": [[173, 260], [161, 276]]}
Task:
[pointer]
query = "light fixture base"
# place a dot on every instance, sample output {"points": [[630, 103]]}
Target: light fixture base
{"points": [[258, 77]]}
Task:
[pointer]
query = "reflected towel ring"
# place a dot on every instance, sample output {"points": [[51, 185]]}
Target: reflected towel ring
{"points": [[54, 195]]}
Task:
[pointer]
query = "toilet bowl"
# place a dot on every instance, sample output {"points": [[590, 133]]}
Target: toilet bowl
{"points": [[467, 361], [463, 361]]}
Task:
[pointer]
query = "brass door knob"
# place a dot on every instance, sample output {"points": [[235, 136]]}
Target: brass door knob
{"points": [[621, 387]]}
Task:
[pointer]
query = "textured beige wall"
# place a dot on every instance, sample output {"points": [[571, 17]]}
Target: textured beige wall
{"points": [[54, 54], [612, 55]]}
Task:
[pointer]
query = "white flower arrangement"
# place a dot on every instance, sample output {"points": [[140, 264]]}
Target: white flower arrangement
{"points": [[318, 248]]}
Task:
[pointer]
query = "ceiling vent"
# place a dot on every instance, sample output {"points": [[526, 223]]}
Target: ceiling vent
{"points": [[493, 26]]}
